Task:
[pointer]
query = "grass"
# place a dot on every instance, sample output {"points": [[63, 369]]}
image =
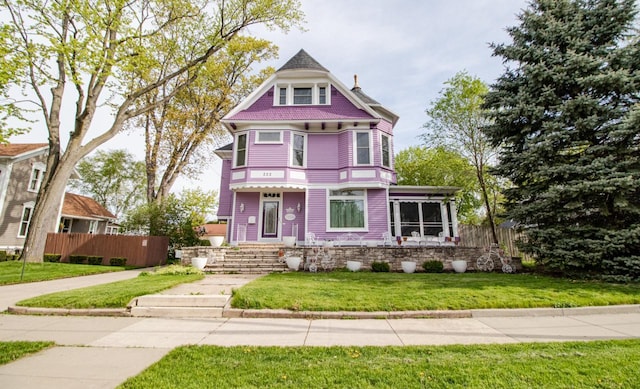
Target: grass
{"points": [[598, 364], [10, 271], [115, 294], [365, 291], [10, 351]]}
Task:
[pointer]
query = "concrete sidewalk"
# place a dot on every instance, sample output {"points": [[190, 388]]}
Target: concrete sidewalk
{"points": [[102, 352]]}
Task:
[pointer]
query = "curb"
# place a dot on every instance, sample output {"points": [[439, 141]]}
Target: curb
{"points": [[346, 315]]}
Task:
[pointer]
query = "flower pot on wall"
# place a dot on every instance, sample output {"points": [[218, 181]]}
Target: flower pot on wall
{"points": [[354, 265], [199, 262], [293, 263], [289, 241], [459, 266], [216, 241], [408, 266]]}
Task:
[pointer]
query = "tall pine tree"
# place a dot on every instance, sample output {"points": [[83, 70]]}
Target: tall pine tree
{"points": [[567, 114]]}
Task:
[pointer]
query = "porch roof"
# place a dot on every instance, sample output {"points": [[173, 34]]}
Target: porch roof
{"points": [[423, 190]]}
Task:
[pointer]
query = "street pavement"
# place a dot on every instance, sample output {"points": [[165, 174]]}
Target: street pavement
{"points": [[102, 352]]}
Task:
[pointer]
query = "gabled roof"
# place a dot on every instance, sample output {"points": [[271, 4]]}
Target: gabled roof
{"points": [[16, 149], [302, 60], [83, 207], [354, 104]]}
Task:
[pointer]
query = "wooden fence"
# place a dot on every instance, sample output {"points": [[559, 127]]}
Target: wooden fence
{"points": [[480, 236], [140, 251]]}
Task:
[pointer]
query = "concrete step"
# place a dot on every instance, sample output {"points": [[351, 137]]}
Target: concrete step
{"points": [[172, 300], [177, 312]]}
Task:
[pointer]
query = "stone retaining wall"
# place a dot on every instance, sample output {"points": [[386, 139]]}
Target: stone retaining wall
{"points": [[392, 255]]}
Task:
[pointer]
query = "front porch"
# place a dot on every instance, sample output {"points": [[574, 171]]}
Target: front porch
{"points": [[263, 258]]}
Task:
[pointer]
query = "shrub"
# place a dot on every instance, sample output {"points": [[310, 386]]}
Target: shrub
{"points": [[3, 256], [94, 260], [433, 266], [77, 259], [204, 242], [177, 270], [118, 261], [52, 257], [379, 267]]}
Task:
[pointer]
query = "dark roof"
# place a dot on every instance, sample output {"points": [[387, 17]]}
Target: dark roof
{"points": [[228, 147], [363, 96], [15, 149], [302, 60]]}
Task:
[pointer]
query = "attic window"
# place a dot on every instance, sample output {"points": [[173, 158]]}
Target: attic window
{"points": [[302, 96]]}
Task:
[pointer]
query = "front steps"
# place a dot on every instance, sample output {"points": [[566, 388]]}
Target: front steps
{"points": [[180, 306], [247, 259]]}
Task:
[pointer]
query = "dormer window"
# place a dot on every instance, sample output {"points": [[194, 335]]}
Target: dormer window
{"points": [[301, 94]]}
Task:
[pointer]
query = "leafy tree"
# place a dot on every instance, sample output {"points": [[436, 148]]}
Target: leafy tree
{"points": [[457, 119], [567, 114], [99, 54], [176, 217], [419, 165], [181, 133], [9, 69], [112, 178]]}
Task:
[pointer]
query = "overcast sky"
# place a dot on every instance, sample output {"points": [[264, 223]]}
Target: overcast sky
{"points": [[402, 51]]}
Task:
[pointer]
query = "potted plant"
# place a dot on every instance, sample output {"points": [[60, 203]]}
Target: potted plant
{"points": [[293, 263], [289, 241], [216, 241], [354, 265], [199, 262]]}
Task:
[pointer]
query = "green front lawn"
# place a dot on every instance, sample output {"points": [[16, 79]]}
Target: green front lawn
{"points": [[601, 364], [10, 351], [365, 291], [10, 271], [115, 294]]}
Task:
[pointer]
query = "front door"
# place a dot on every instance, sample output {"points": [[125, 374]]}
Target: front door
{"points": [[270, 216]]}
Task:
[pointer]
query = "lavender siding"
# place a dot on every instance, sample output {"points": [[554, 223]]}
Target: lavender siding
{"points": [[251, 201], [268, 155], [340, 108], [377, 207], [317, 199], [290, 201], [226, 196], [322, 151]]}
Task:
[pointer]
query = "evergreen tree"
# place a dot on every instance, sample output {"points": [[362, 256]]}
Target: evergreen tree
{"points": [[567, 114]]}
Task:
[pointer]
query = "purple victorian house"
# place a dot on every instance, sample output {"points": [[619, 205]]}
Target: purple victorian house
{"points": [[312, 158]]}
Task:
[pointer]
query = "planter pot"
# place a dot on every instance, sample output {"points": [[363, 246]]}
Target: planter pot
{"points": [[354, 265], [293, 263], [289, 241], [216, 241], [408, 266], [459, 266], [178, 254], [199, 262]]}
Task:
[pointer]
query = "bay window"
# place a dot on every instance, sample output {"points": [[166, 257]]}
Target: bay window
{"points": [[347, 210]]}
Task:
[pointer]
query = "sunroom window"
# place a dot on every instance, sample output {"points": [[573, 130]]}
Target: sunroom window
{"points": [[347, 210]]}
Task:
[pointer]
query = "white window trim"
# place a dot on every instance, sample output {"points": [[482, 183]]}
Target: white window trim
{"points": [[355, 149], [275, 142], [246, 149], [315, 93], [383, 135], [305, 150], [347, 229], [93, 226], [25, 206], [38, 166]]}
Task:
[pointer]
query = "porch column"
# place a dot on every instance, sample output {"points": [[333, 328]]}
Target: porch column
{"points": [[445, 218], [454, 217]]}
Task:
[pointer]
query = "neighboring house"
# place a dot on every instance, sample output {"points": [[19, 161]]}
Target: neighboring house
{"points": [[22, 168], [310, 155], [85, 215]]}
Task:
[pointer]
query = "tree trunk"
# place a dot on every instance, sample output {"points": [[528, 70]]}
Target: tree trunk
{"points": [[46, 212], [487, 205]]}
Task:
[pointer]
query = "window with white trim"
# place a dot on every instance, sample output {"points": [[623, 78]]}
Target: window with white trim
{"points": [[93, 226], [298, 143], [347, 210], [37, 173], [362, 148], [241, 150], [25, 221], [385, 147], [302, 94], [269, 137]]}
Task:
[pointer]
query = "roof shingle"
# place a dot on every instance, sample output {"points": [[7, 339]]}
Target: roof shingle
{"points": [[15, 149], [83, 206]]}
